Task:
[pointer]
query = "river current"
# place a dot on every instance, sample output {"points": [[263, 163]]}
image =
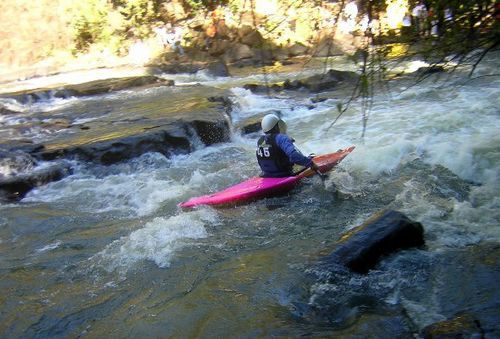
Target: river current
{"points": [[107, 252]]}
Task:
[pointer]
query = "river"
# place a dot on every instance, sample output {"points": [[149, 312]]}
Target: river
{"points": [[106, 252]]}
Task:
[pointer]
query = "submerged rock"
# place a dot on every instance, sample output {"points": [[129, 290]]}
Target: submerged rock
{"points": [[464, 285], [462, 326], [382, 234]]}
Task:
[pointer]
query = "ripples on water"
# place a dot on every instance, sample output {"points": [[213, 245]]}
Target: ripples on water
{"points": [[106, 251]]}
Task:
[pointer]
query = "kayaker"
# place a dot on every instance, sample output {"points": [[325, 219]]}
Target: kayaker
{"points": [[276, 152]]}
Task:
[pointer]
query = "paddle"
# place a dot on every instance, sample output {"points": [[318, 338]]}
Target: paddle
{"points": [[322, 176]]}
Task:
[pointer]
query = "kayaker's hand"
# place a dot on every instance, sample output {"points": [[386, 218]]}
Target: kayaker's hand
{"points": [[314, 167]]}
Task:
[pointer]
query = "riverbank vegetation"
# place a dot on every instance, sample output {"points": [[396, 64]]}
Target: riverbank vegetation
{"points": [[49, 36]]}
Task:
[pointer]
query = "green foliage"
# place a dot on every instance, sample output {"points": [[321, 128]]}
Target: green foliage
{"points": [[204, 4], [111, 23], [90, 25], [139, 14]]}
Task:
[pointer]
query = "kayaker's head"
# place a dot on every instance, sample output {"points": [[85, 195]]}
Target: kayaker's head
{"points": [[272, 124]]}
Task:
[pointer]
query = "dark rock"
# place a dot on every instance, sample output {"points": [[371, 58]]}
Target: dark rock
{"points": [[464, 285], [264, 57], [256, 88], [117, 84], [296, 50], [315, 100], [430, 70], [219, 47], [5, 111], [218, 69], [316, 83], [238, 52], [293, 84], [167, 140], [263, 89], [225, 103], [211, 132], [382, 234], [224, 100], [176, 68], [158, 128], [329, 80], [252, 39], [16, 187], [252, 124]]}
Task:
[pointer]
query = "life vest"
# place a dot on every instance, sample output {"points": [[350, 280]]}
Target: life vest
{"points": [[271, 158]]}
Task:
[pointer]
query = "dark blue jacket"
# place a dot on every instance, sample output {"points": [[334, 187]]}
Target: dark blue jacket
{"points": [[276, 155]]}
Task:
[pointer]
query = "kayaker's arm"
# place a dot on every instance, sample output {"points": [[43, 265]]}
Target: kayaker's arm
{"points": [[294, 155]]}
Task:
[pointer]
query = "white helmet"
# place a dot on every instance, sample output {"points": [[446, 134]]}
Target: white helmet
{"points": [[270, 121]]}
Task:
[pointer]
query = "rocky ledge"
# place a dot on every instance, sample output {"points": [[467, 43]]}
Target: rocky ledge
{"points": [[314, 84], [88, 88], [172, 123]]}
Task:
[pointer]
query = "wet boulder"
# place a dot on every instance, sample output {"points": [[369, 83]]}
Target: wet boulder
{"points": [[5, 111], [218, 69], [425, 71], [15, 187], [253, 123], [262, 88], [250, 125], [15, 162], [177, 67], [314, 84], [117, 84], [328, 80], [211, 132], [167, 140], [161, 126], [384, 233]]}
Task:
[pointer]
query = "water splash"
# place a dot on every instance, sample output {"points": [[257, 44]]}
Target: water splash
{"points": [[157, 241]]}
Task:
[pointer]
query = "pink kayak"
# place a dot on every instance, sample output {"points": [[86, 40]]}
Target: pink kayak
{"points": [[258, 187]]}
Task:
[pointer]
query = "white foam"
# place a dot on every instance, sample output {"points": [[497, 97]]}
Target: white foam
{"points": [[49, 247], [249, 104], [157, 241], [140, 194]]}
